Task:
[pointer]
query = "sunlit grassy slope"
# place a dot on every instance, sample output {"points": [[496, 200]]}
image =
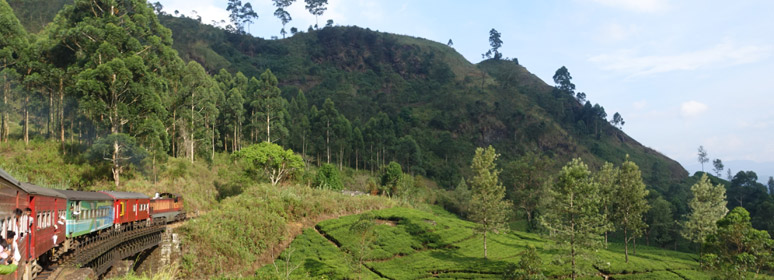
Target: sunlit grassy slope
{"points": [[414, 244]]}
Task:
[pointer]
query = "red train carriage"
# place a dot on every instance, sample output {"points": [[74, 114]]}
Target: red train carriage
{"points": [[47, 228], [12, 197], [167, 208], [129, 208]]}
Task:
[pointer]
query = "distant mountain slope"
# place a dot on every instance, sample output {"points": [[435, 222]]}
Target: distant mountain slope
{"points": [[35, 14], [366, 72], [429, 91]]}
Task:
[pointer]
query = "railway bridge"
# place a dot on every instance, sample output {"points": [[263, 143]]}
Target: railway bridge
{"points": [[96, 256]]}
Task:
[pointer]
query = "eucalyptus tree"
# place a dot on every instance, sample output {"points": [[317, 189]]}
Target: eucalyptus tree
{"points": [[270, 105], [298, 122], [120, 49], [316, 8], [495, 42], [325, 123], [702, 157], [13, 42], [718, 166], [199, 100]]}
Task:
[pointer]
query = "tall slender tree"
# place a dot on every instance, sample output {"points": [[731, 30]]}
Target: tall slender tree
{"points": [[573, 213], [629, 203], [707, 206], [718, 166], [495, 42], [13, 42], [316, 8], [702, 157], [487, 205], [270, 106], [606, 178]]}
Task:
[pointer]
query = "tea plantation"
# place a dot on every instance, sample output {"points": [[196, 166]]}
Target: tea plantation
{"points": [[415, 244]]}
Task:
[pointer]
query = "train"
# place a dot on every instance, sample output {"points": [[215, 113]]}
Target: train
{"points": [[49, 223]]}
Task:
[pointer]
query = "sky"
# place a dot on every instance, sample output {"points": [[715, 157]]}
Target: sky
{"points": [[683, 74]]}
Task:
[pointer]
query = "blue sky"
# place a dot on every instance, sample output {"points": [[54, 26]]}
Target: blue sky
{"points": [[681, 73]]}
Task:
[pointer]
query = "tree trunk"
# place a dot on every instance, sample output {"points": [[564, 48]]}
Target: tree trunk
{"points": [[50, 121], [268, 128], [328, 140], [572, 240], [174, 132], [634, 245], [485, 244], [26, 118], [212, 156], [61, 112], [116, 169], [626, 245], [193, 96]]}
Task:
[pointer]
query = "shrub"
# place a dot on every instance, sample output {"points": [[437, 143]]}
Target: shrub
{"points": [[328, 177]]}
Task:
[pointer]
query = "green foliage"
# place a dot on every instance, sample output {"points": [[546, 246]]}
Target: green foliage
{"points": [[629, 203], [391, 177], [707, 207], [120, 150], [224, 242], [573, 213], [328, 178], [528, 268], [487, 205], [275, 162], [606, 178], [457, 200], [661, 225], [527, 179], [414, 244], [736, 247]]}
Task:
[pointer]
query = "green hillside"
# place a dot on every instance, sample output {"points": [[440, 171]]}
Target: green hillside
{"points": [[439, 93], [414, 244], [429, 91]]}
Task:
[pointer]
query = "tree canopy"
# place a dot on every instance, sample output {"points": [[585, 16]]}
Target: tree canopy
{"points": [[487, 205], [276, 162]]}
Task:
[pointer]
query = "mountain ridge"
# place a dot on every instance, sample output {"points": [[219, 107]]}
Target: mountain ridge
{"points": [[429, 91]]}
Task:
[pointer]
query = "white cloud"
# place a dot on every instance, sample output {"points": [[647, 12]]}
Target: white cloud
{"points": [[616, 32], [642, 6], [692, 108], [639, 105], [723, 54]]}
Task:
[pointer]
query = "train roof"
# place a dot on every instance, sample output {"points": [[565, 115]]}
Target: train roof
{"points": [[8, 177], [38, 190], [79, 195], [166, 196], [125, 195]]}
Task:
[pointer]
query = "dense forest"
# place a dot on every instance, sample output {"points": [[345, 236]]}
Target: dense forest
{"points": [[107, 79]]}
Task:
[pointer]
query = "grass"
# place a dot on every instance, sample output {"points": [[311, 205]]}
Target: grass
{"points": [[232, 239], [416, 244]]}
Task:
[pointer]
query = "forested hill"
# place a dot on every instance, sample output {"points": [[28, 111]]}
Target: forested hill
{"points": [[409, 99], [430, 93]]}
